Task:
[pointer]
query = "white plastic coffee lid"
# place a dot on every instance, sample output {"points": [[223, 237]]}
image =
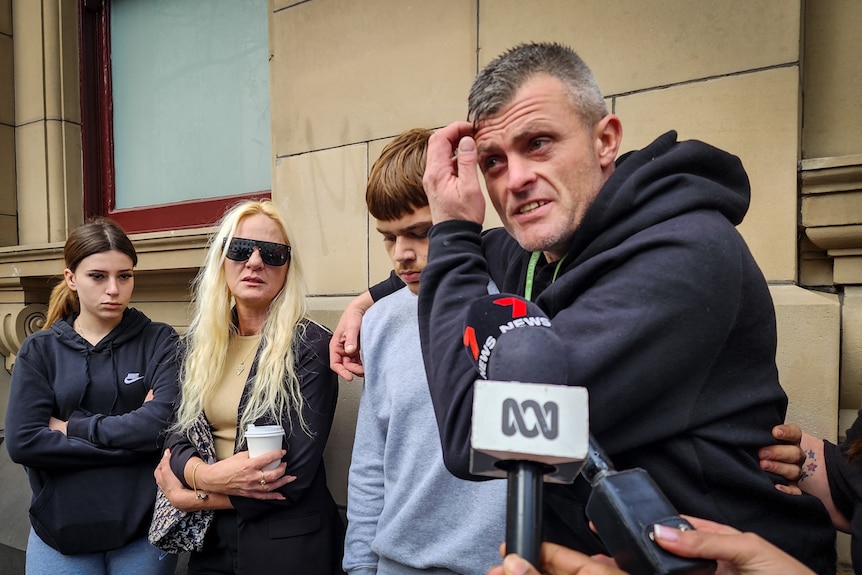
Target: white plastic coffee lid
{"points": [[264, 430]]}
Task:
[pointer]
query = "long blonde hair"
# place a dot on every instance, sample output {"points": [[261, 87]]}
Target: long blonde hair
{"points": [[275, 389]]}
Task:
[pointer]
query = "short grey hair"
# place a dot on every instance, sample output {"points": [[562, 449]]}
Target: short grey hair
{"points": [[496, 84]]}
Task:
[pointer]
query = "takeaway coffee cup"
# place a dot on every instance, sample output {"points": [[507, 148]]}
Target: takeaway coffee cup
{"points": [[262, 439]]}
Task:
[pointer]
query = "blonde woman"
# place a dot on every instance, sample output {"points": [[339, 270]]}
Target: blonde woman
{"points": [[252, 356]]}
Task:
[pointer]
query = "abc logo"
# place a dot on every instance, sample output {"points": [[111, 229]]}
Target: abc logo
{"points": [[516, 418]]}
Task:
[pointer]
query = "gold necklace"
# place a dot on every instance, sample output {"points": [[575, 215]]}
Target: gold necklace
{"points": [[241, 365]]}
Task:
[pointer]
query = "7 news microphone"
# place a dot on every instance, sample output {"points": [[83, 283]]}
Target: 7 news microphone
{"points": [[523, 431], [530, 427]]}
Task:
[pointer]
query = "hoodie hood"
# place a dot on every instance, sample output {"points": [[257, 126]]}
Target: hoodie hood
{"points": [[99, 362], [130, 326], [662, 181]]}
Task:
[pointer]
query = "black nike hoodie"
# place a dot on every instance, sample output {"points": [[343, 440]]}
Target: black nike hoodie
{"points": [[93, 488]]}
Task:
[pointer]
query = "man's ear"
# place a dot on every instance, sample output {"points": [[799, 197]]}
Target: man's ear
{"points": [[69, 277], [608, 135]]}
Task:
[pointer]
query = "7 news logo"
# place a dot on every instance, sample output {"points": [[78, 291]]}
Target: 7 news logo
{"points": [[546, 418], [499, 322]]}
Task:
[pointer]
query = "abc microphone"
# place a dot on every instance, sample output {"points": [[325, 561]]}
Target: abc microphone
{"points": [[510, 339], [528, 426]]}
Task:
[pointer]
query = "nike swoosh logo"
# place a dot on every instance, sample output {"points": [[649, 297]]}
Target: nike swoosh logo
{"points": [[132, 378]]}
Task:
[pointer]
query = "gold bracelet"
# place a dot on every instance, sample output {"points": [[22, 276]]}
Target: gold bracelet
{"points": [[201, 494]]}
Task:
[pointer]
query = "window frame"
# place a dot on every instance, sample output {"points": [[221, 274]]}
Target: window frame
{"points": [[97, 141]]}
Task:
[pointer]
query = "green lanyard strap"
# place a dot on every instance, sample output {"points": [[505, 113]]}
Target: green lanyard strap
{"points": [[531, 273]]}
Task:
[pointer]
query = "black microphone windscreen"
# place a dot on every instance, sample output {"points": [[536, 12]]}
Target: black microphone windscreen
{"points": [[533, 355], [510, 339]]}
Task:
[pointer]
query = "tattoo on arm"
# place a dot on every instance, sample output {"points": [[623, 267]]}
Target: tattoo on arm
{"points": [[809, 466]]}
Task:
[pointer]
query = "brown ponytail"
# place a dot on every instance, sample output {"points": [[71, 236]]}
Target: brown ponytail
{"points": [[855, 449], [63, 303]]}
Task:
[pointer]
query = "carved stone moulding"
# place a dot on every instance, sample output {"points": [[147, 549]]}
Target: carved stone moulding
{"points": [[17, 321], [831, 212]]}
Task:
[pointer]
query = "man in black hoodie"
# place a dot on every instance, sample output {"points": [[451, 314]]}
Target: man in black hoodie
{"points": [[667, 319]]}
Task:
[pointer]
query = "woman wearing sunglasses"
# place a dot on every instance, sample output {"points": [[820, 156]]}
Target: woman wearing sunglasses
{"points": [[91, 396], [253, 357]]}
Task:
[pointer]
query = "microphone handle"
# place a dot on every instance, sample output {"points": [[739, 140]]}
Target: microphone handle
{"points": [[597, 464], [524, 510]]}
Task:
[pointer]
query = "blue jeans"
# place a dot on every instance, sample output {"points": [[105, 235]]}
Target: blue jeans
{"points": [[138, 557]]}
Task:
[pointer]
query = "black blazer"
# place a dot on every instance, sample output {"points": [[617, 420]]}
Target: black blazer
{"points": [[305, 531], [304, 538]]}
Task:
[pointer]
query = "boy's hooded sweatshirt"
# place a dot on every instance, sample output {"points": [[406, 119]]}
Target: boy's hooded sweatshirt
{"points": [[669, 324], [93, 488]]}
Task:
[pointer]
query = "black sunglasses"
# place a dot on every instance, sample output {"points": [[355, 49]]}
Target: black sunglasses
{"points": [[272, 254]]}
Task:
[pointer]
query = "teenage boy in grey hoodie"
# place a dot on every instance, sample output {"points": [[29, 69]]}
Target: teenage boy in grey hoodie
{"points": [[406, 512]]}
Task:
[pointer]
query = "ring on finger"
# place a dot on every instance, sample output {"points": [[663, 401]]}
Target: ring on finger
{"points": [[262, 479]]}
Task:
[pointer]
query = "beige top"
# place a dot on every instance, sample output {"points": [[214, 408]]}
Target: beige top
{"points": [[222, 407]]}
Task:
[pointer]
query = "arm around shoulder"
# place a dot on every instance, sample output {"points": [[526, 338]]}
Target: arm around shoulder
{"points": [[344, 358]]}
